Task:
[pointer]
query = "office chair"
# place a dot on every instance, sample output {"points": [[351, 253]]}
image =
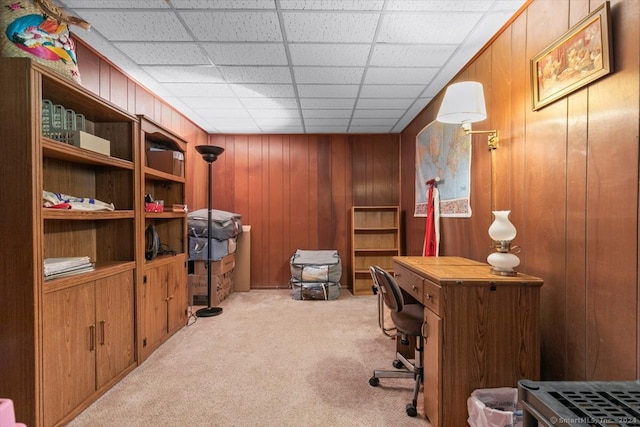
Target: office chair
{"points": [[408, 319]]}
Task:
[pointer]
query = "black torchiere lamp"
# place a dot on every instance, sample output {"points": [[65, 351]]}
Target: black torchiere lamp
{"points": [[210, 154]]}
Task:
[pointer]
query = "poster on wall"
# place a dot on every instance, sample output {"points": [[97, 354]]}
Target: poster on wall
{"points": [[443, 151]]}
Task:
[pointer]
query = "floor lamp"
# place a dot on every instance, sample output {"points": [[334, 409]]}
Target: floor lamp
{"points": [[210, 154]]}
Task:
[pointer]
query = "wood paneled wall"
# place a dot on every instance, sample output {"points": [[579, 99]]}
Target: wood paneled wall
{"points": [[296, 192], [106, 80], [569, 174]]}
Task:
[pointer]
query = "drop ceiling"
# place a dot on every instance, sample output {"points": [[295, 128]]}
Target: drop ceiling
{"points": [[292, 66]]}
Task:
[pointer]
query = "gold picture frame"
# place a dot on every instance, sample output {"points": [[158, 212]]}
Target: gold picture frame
{"points": [[578, 57]]}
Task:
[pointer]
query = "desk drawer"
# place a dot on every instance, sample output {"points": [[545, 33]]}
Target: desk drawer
{"points": [[432, 296], [410, 282]]}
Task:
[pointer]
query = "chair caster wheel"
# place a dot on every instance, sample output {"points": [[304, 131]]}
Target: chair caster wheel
{"points": [[411, 410], [373, 381], [398, 364]]}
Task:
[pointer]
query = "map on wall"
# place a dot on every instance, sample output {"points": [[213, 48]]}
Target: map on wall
{"points": [[443, 150]]}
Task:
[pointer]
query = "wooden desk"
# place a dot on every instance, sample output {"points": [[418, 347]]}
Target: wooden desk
{"points": [[481, 330]]}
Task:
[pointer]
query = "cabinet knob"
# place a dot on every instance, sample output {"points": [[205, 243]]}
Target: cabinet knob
{"points": [[429, 297], [414, 287]]}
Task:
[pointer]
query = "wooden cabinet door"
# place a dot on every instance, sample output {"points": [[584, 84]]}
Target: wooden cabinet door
{"points": [[154, 309], [432, 355], [114, 326], [177, 295], [68, 353]]}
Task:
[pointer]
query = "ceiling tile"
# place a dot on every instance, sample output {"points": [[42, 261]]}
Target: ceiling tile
{"points": [[327, 91], [200, 90], [133, 25], [374, 114], [388, 122], [115, 4], [185, 74], [240, 74], [393, 55], [164, 53], [248, 90], [326, 122], [241, 126], [439, 5], [224, 4], [330, 27], [391, 91], [332, 4], [246, 53], [254, 26], [359, 65], [226, 113], [398, 75], [275, 114], [382, 103], [278, 122], [326, 114], [327, 103], [432, 28], [269, 103], [330, 75], [507, 5], [329, 54], [206, 102]]}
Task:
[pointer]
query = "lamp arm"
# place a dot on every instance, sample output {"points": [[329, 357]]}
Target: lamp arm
{"points": [[493, 138]]}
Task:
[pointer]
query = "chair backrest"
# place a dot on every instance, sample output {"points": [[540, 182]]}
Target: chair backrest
{"points": [[387, 286]]}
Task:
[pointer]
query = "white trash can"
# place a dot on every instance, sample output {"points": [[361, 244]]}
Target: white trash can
{"points": [[494, 407]]}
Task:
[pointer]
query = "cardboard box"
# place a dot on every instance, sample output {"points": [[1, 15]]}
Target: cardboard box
{"points": [[221, 287], [91, 142], [166, 161], [242, 271], [217, 267], [198, 294]]}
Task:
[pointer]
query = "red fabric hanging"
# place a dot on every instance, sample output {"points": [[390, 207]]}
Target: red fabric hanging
{"points": [[429, 248]]}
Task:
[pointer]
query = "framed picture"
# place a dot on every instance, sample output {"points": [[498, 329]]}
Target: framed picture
{"points": [[578, 57]]}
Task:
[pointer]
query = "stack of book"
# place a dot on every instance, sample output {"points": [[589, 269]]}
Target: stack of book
{"points": [[61, 267]]}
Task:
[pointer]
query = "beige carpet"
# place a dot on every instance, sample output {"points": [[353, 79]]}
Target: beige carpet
{"points": [[267, 360]]}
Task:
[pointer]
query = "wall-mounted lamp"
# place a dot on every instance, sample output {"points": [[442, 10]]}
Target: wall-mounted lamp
{"points": [[463, 104]]}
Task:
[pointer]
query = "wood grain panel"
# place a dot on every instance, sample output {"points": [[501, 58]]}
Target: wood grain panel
{"points": [[105, 79], [576, 233], [569, 173], [296, 193], [118, 89], [278, 201], [89, 67], [612, 153], [545, 149]]}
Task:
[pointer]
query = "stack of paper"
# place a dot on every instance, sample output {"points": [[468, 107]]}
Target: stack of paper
{"points": [[60, 267]]}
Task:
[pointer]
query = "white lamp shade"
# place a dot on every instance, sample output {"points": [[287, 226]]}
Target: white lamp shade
{"points": [[501, 229], [463, 103]]}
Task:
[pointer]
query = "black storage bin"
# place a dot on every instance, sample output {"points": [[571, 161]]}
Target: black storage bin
{"points": [[580, 403]]}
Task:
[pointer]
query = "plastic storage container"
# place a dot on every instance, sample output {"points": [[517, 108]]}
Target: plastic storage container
{"points": [[494, 407]]}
